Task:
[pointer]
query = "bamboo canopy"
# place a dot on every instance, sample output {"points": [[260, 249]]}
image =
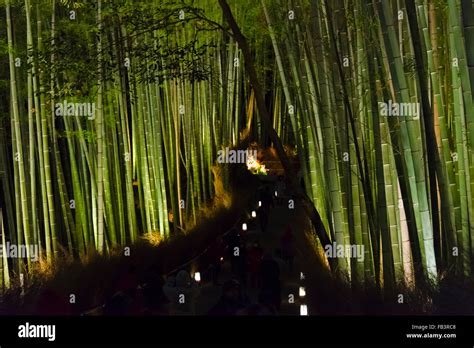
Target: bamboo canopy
{"points": [[113, 113]]}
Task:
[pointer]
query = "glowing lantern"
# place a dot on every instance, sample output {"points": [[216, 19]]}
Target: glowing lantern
{"points": [[254, 214], [244, 227], [303, 309], [302, 291], [197, 277]]}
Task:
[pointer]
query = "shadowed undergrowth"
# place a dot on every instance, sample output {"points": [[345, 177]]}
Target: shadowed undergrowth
{"points": [[92, 279], [333, 295]]}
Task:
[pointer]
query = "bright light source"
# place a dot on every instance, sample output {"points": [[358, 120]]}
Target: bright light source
{"points": [[197, 277], [259, 203], [301, 275], [276, 193], [302, 291], [254, 165], [254, 214], [244, 227], [222, 259], [303, 309]]}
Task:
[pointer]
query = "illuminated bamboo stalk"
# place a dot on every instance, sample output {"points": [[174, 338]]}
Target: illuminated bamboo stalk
{"points": [[31, 127], [100, 236], [23, 224]]}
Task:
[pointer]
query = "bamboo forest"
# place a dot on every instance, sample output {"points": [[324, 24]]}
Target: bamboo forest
{"points": [[155, 148]]}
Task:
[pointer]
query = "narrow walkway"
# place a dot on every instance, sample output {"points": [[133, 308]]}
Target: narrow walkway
{"points": [[280, 217]]}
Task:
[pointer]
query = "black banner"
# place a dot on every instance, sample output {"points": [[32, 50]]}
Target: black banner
{"points": [[291, 331]]}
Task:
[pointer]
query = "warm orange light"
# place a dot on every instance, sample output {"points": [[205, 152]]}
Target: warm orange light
{"points": [[255, 167]]}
